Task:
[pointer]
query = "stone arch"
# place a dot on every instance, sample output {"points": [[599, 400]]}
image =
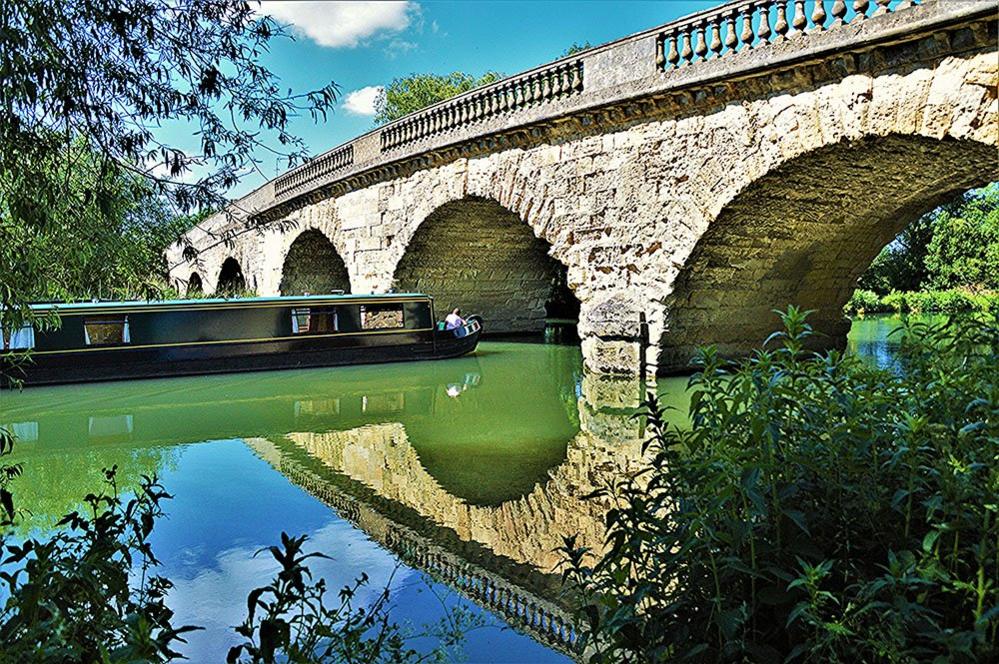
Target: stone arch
{"points": [[231, 280], [804, 232], [194, 284], [312, 265], [477, 254]]}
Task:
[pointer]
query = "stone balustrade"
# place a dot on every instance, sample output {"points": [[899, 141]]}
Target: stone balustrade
{"points": [[321, 167], [539, 86], [748, 24]]}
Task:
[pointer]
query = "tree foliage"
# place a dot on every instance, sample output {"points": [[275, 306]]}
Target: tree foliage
{"points": [[412, 93], [964, 250], [87, 87], [816, 509], [575, 48], [956, 245]]}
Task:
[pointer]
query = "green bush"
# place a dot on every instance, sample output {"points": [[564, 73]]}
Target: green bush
{"points": [[954, 301], [865, 302], [816, 509]]}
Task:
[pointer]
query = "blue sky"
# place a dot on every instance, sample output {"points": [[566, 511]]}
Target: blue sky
{"points": [[362, 45]]}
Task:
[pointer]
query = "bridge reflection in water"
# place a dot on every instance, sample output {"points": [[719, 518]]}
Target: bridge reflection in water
{"points": [[472, 470], [503, 556]]}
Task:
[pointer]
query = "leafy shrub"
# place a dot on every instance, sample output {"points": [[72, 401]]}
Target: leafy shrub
{"points": [[864, 302], [816, 509], [954, 301], [71, 598], [289, 620]]}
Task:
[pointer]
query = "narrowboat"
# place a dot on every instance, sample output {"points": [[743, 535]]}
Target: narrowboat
{"points": [[122, 340]]}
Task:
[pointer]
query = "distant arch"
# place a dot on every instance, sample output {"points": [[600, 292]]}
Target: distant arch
{"points": [[231, 280], [476, 254], [194, 284], [313, 266], [803, 234]]}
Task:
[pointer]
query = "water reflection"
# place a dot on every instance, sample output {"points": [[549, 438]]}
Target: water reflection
{"points": [[471, 470], [479, 435]]}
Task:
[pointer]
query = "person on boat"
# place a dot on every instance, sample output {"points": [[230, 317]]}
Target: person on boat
{"points": [[454, 320]]}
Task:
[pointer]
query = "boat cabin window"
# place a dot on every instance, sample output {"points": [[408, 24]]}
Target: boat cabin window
{"points": [[381, 316], [319, 320], [106, 331], [22, 339]]}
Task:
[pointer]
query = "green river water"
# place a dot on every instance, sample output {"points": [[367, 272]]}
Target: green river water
{"points": [[451, 481]]}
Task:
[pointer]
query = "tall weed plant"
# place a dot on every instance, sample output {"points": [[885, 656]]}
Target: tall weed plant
{"points": [[816, 509]]}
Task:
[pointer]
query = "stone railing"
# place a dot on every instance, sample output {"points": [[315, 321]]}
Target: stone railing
{"points": [[319, 168], [747, 24], [539, 86]]}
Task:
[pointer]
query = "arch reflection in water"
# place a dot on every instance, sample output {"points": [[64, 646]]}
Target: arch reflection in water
{"points": [[503, 555]]}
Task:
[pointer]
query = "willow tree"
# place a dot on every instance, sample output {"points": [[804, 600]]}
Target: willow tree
{"points": [[96, 80]]}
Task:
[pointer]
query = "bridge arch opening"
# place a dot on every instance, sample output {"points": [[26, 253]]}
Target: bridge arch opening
{"points": [[803, 234], [475, 254], [231, 280], [194, 284], [313, 266]]}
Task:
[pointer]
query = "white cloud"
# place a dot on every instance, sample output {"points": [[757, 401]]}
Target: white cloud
{"points": [[341, 24], [362, 102]]}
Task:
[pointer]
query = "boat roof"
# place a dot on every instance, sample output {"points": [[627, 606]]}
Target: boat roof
{"points": [[247, 301]]}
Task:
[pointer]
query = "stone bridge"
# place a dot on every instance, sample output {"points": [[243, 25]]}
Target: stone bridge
{"points": [[694, 176]]}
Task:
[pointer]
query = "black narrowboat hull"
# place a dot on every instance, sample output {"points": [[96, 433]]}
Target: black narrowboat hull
{"points": [[192, 359]]}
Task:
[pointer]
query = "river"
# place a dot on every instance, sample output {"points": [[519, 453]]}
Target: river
{"points": [[450, 482]]}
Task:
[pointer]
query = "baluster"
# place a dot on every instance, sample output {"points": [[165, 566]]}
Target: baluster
{"points": [[763, 6], [747, 26], [702, 48], [687, 53], [731, 40], [518, 94], [546, 86], [838, 13], [716, 42], [860, 10], [557, 82], [882, 7], [800, 21], [673, 55], [577, 76], [819, 16], [660, 55]]}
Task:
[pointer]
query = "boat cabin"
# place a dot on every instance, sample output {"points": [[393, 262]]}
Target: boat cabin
{"points": [[111, 340]]}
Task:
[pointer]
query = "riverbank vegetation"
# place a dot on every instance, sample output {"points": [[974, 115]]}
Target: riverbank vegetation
{"points": [[818, 509], [946, 261]]}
